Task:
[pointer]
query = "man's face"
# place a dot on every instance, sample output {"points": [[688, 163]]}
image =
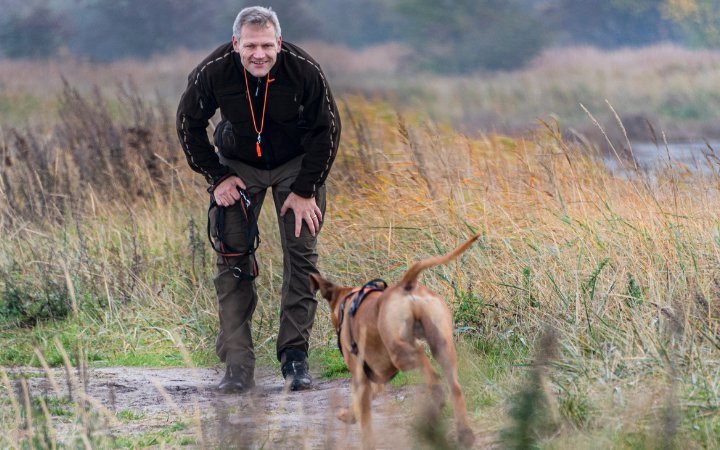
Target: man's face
{"points": [[258, 48]]}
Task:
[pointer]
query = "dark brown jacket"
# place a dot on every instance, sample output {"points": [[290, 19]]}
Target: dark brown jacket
{"points": [[301, 117]]}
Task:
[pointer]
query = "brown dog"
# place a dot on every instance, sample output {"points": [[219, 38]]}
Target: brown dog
{"points": [[381, 338]]}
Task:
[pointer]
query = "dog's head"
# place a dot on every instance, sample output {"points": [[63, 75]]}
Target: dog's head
{"points": [[330, 292]]}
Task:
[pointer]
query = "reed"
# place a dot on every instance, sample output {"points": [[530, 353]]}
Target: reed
{"points": [[103, 214], [672, 87]]}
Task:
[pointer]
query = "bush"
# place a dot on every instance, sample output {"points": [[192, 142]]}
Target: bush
{"points": [[31, 296], [35, 33]]}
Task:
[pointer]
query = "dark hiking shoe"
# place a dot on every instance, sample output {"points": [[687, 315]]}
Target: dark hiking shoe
{"points": [[237, 379], [295, 370]]}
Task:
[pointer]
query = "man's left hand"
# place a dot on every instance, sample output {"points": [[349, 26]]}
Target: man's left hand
{"points": [[305, 209]]}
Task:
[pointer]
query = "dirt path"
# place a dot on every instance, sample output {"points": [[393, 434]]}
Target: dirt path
{"points": [[267, 417]]}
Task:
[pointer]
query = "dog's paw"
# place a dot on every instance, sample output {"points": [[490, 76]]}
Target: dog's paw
{"points": [[466, 437], [346, 416]]}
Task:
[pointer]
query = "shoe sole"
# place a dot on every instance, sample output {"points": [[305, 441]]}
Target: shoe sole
{"points": [[299, 387]]}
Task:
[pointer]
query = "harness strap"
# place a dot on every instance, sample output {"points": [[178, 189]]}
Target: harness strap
{"points": [[358, 295], [371, 286], [227, 251], [341, 315]]}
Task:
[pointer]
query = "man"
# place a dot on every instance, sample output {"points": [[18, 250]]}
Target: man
{"points": [[279, 129]]}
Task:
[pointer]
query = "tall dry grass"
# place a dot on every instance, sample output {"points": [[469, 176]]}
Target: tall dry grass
{"points": [[623, 269], [672, 87]]}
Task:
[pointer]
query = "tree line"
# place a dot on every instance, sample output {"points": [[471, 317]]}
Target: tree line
{"points": [[456, 36]]}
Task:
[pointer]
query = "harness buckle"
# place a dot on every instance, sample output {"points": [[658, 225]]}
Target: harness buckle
{"points": [[240, 274]]}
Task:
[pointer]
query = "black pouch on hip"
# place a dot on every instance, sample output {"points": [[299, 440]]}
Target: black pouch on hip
{"points": [[224, 137]]}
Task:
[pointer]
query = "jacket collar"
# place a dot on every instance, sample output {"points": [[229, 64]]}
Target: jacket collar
{"points": [[240, 68]]}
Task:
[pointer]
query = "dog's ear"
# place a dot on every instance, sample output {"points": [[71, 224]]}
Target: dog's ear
{"points": [[327, 289], [314, 282]]}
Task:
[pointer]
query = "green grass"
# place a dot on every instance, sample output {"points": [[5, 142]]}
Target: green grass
{"points": [[128, 415], [17, 107], [408, 378], [61, 407], [75, 336], [25, 375], [330, 363], [169, 359], [167, 436]]}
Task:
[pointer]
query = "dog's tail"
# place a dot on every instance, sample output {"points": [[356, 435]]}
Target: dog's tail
{"points": [[410, 278]]}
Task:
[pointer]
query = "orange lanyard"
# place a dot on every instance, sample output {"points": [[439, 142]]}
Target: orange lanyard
{"points": [[252, 111]]}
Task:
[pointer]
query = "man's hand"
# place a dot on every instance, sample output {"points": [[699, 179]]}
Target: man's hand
{"points": [[226, 193], [305, 209]]}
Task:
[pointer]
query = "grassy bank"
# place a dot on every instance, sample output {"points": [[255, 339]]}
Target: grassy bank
{"points": [[106, 252], [672, 87]]}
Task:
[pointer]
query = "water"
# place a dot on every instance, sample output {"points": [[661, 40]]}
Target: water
{"points": [[692, 156]]}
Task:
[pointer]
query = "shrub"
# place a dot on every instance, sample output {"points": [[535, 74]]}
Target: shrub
{"points": [[31, 296]]}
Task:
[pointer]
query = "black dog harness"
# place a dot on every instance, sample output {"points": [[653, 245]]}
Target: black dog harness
{"points": [[225, 250], [357, 295]]}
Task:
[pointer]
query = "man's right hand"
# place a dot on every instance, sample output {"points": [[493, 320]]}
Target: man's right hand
{"points": [[226, 193]]}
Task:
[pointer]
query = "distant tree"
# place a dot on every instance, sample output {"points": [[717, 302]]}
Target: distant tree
{"points": [[34, 31], [358, 23], [467, 35], [111, 29], [698, 19], [297, 20], [608, 23]]}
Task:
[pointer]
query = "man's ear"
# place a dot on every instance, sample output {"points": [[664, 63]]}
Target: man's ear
{"points": [[279, 43]]}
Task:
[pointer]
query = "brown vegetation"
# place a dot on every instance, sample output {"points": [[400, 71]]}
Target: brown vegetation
{"points": [[101, 211]]}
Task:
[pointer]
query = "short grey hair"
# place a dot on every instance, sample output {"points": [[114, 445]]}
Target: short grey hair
{"points": [[256, 15]]}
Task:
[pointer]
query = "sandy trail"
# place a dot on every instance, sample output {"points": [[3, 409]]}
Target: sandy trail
{"points": [[266, 417]]}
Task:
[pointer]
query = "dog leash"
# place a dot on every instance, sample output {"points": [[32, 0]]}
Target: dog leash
{"points": [[359, 295], [225, 250]]}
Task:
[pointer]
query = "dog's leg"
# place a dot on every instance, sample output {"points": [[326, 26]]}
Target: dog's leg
{"points": [[431, 379], [348, 415], [407, 357], [362, 403], [444, 353], [403, 355], [438, 332], [378, 389]]}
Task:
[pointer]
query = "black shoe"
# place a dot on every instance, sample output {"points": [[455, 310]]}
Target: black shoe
{"points": [[295, 370], [237, 379]]}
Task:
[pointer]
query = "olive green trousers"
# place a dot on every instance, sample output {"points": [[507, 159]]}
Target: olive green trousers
{"points": [[237, 298]]}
